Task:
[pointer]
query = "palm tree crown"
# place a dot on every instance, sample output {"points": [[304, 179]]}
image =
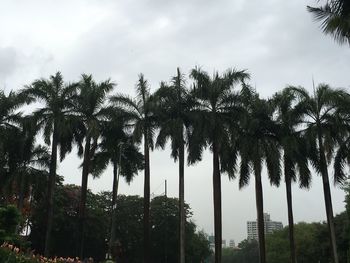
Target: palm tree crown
{"points": [[215, 112], [335, 19]]}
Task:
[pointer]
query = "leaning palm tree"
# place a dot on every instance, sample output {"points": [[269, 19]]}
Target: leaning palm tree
{"points": [[116, 148], [56, 121], [89, 108], [335, 19], [139, 113], [295, 156], [321, 127], [215, 111], [174, 104], [257, 142]]}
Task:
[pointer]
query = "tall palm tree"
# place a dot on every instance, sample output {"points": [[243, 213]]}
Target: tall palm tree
{"points": [[116, 147], [139, 113], [335, 19], [295, 155], [174, 106], [56, 121], [321, 127], [90, 109], [258, 142], [216, 108]]}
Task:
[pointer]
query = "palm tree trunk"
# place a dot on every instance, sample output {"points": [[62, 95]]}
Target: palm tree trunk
{"points": [[327, 198], [50, 191], [217, 204], [114, 204], [290, 209], [182, 201], [83, 194], [21, 191], [146, 203], [260, 212], [20, 197]]}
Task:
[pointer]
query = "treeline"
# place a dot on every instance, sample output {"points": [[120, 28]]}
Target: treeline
{"points": [[310, 239], [289, 133], [164, 214]]}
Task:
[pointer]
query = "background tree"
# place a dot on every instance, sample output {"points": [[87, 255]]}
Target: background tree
{"points": [[89, 108], [139, 113], [334, 16], [66, 220], [215, 109]]}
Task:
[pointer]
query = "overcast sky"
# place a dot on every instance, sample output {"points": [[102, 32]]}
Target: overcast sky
{"points": [[276, 41]]}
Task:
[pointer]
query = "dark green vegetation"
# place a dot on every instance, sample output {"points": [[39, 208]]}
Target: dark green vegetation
{"points": [[293, 130], [164, 221], [311, 243]]}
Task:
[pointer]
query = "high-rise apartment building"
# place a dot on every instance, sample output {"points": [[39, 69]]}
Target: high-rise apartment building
{"points": [[269, 227], [232, 243]]}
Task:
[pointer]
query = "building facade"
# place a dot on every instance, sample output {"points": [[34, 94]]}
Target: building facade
{"points": [[269, 227], [232, 243]]}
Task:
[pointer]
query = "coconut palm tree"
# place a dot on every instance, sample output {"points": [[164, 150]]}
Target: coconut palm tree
{"points": [[174, 107], [90, 109], [140, 115], [295, 155], [57, 122], [258, 142], [215, 111], [335, 19], [321, 128], [116, 147]]}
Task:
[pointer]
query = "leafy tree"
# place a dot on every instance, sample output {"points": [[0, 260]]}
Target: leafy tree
{"points": [[289, 118], [139, 113], [164, 231], [174, 106], [64, 235], [56, 120], [9, 219], [90, 109], [246, 252], [258, 142], [321, 127], [311, 240], [216, 108], [334, 16]]}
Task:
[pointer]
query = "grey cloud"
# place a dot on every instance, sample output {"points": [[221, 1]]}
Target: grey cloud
{"points": [[8, 62]]}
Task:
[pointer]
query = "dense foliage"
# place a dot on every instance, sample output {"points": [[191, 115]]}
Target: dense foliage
{"points": [[129, 231]]}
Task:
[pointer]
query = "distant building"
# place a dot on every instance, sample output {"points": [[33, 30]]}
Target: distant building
{"points": [[269, 227], [223, 244], [211, 240], [232, 243]]}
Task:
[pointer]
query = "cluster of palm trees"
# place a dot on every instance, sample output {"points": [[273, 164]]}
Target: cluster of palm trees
{"points": [[289, 133]]}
